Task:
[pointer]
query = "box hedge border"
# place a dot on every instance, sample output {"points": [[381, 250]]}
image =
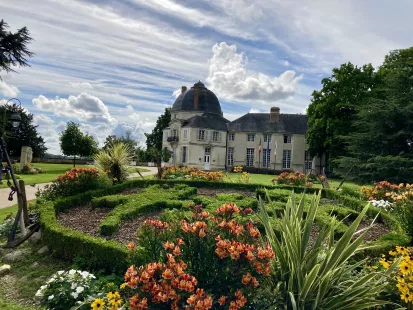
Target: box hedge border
{"points": [[112, 256]]}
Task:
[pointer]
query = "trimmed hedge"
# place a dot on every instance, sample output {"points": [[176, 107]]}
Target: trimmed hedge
{"points": [[109, 255]]}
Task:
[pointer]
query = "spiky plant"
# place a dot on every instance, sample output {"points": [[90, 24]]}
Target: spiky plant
{"points": [[322, 276], [114, 161]]}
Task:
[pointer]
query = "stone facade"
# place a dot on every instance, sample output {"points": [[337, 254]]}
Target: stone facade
{"points": [[199, 136]]}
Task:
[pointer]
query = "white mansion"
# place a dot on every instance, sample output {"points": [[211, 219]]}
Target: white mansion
{"points": [[199, 136]]}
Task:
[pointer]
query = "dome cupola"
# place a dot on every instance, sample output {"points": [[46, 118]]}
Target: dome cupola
{"points": [[197, 99]]}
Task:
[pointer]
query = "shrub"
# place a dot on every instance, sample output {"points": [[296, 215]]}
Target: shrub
{"points": [[26, 169], [65, 289], [6, 226], [226, 260], [16, 168], [115, 161], [74, 181], [293, 178], [182, 173], [320, 276]]}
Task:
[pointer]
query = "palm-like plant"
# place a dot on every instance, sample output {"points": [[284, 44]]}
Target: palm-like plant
{"points": [[114, 161], [321, 276]]}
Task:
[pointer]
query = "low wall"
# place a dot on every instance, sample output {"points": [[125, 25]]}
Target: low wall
{"points": [[61, 161]]}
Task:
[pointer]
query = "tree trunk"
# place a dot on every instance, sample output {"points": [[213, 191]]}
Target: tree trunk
{"points": [[74, 161]]}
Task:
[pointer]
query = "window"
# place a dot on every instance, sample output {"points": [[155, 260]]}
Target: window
{"points": [[201, 134], [250, 157], [231, 137], [184, 154], [308, 161], [185, 134], [207, 155], [267, 138], [251, 137], [230, 156], [215, 136], [174, 133], [287, 139], [266, 157], [286, 159]]}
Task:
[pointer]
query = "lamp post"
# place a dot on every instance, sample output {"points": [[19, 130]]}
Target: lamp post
{"points": [[15, 120]]}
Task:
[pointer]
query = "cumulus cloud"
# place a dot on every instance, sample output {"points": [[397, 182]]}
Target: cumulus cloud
{"points": [[8, 90], [83, 107], [43, 120], [229, 78], [252, 110], [83, 85]]}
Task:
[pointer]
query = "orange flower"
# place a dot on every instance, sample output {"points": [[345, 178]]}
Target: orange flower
{"points": [[255, 282], [202, 233], [131, 245], [167, 274], [177, 251], [221, 300], [246, 278], [168, 245]]}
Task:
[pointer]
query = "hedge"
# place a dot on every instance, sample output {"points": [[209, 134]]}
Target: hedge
{"points": [[112, 256]]}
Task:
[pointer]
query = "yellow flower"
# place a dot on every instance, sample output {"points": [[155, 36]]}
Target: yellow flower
{"points": [[98, 304], [123, 285], [402, 250], [406, 297], [384, 263], [405, 267], [403, 288], [393, 253]]}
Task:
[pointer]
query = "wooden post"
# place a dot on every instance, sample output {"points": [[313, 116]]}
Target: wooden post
{"points": [[24, 202]]}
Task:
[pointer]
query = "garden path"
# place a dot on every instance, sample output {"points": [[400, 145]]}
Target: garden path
{"points": [[31, 190]]}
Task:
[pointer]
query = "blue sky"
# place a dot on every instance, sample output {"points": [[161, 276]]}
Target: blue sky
{"points": [[115, 65]]}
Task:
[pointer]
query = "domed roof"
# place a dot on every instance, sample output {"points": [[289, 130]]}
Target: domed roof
{"points": [[198, 98]]}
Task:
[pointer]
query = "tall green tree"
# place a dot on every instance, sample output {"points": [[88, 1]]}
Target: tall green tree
{"points": [[74, 143], [334, 107], [125, 139], [154, 139], [13, 47], [380, 146], [24, 135]]}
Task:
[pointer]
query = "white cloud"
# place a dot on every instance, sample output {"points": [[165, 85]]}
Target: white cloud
{"points": [[8, 90], [82, 107], [83, 85], [229, 78], [252, 110], [42, 120]]}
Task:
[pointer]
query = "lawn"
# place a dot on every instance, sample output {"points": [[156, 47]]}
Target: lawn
{"points": [[265, 179], [52, 171]]}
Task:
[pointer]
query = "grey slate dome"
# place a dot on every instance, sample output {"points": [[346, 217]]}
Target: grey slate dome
{"points": [[198, 98]]}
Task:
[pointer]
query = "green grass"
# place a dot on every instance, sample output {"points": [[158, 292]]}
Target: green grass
{"points": [[265, 179], [52, 171], [136, 169]]}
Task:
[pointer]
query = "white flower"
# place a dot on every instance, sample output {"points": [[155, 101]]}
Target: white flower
{"points": [[73, 286], [79, 289], [50, 297], [84, 274], [60, 272], [74, 294], [72, 272], [39, 293], [51, 280]]}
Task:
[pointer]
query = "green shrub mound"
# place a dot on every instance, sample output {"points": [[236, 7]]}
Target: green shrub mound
{"points": [[173, 197]]}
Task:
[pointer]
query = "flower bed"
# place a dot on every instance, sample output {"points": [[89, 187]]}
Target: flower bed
{"points": [[182, 173], [110, 255], [293, 178]]}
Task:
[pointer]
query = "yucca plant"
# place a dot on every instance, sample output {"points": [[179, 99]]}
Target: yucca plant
{"points": [[319, 276], [114, 161]]}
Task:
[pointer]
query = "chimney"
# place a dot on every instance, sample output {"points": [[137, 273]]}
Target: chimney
{"points": [[275, 115], [183, 89]]}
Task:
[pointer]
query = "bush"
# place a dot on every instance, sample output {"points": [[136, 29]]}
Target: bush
{"points": [[6, 226], [187, 173], [115, 161], [225, 259], [65, 289], [74, 181], [293, 178], [320, 276]]}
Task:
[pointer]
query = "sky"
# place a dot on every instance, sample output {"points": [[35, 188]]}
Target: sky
{"points": [[115, 65]]}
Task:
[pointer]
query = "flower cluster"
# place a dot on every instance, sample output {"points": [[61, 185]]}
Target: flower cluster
{"points": [[383, 204], [237, 169], [174, 172], [156, 224], [165, 283], [112, 301], [393, 193], [244, 177], [293, 178], [66, 288], [403, 274], [76, 173]]}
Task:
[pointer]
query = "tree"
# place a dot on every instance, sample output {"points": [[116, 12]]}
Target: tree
{"points": [[13, 47], [379, 146], [333, 108], [125, 139], [24, 135], [74, 143], [154, 139]]}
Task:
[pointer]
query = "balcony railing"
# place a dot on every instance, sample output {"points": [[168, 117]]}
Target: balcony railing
{"points": [[173, 139]]}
